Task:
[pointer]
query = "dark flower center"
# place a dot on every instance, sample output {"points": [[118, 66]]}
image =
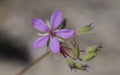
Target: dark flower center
{"points": [[51, 32]]}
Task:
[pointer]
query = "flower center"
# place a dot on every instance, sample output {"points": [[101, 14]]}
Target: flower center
{"points": [[51, 32]]}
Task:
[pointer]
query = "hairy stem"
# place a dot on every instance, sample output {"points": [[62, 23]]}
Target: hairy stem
{"points": [[33, 63]]}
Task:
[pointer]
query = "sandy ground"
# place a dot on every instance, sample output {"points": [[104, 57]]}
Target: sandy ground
{"points": [[15, 20]]}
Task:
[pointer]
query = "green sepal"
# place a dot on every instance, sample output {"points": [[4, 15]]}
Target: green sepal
{"points": [[62, 25], [85, 29], [78, 65], [91, 49], [59, 39], [89, 56], [70, 62], [75, 52], [85, 33], [48, 23], [48, 42]]}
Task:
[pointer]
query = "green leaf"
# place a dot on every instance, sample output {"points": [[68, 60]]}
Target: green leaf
{"points": [[75, 52], [89, 56], [69, 62], [91, 49], [78, 65]]}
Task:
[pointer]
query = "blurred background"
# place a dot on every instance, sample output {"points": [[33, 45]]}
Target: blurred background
{"points": [[17, 35]]}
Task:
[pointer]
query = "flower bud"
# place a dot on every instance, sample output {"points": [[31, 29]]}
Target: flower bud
{"points": [[89, 56], [91, 49], [75, 52]]}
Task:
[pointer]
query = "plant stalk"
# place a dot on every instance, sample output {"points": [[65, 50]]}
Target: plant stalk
{"points": [[33, 64]]}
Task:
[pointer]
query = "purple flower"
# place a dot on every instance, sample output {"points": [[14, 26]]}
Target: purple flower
{"points": [[51, 33]]}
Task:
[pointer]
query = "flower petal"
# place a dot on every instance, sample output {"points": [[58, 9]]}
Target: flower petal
{"points": [[54, 45], [39, 25], [55, 19], [40, 42], [65, 33]]}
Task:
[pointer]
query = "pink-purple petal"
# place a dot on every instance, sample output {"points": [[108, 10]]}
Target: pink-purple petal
{"points": [[65, 33], [55, 19], [54, 45], [40, 42], [39, 25]]}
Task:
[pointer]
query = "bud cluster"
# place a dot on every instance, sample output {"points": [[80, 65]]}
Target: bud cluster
{"points": [[73, 54]]}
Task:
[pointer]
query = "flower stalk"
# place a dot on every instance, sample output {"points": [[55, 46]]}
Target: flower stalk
{"points": [[33, 63]]}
